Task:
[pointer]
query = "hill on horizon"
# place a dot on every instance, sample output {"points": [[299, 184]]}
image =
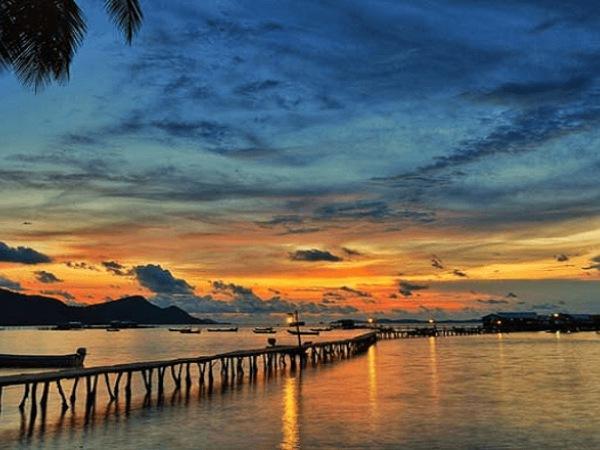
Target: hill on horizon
{"points": [[18, 309]]}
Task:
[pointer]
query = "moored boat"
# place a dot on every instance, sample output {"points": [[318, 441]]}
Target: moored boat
{"points": [[113, 329], [321, 329], [189, 331], [264, 330], [223, 330], [41, 361], [303, 332], [69, 326]]}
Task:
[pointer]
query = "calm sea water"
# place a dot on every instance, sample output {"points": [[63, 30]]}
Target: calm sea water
{"points": [[511, 391]]}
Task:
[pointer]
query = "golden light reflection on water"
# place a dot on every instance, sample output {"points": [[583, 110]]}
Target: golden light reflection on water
{"points": [[372, 371], [433, 364], [500, 365], [291, 403]]}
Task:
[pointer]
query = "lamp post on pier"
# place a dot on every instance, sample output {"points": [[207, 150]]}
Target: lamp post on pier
{"points": [[294, 320], [433, 326]]}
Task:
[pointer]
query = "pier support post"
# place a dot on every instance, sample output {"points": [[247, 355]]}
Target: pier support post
{"points": [[64, 404], [240, 367], [116, 386], [161, 381], [88, 392], [224, 370], [201, 370], [111, 396], [188, 377], [33, 412], [128, 387], [210, 375], [44, 399], [74, 392], [176, 376], [25, 397], [147, 377]]}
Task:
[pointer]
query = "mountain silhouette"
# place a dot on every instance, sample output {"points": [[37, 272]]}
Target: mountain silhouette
{"points": [[21, 309]]}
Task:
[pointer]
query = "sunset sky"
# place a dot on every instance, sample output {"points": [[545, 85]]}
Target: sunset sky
{"points": [[350, 158]]}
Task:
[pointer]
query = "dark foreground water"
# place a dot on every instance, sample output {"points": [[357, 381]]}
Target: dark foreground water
{"points": [[533, 390]]}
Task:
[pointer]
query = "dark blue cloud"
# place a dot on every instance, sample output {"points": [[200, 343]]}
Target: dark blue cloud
{"points": [[70, 298], [594, 264], [81, 265], [492, 301], [243, 300], [22, 255], [10, 284], [356, 292], [406, 288], [116, 268], [459, 273], [436, 262], [314, 255], [351, 252], [161, 281], [46, 277]]}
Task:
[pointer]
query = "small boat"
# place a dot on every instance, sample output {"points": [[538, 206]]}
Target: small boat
{"points": [[69, 326], [189, 331], [303, 332], [178, 330], [321, 329], [264, 330], [113, 329], [40, 361], [223, 330]]}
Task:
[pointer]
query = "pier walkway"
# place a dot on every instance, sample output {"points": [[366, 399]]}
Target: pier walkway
{"points": [[229, 367]]}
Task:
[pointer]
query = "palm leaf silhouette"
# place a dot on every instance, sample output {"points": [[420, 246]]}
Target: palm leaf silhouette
{"points": [[39, 38]]}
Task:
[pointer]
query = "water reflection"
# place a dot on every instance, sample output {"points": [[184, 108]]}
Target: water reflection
{"points": [[494, 391], [372, 374], [291, 406], [433, 365]]}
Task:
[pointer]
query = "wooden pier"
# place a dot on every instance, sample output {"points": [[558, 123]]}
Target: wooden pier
{"points": [[396, 333], [184, 372], [205, 371]]}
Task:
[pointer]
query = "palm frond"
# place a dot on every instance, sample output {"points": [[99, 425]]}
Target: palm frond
{"points": [[39, 38], [127, 15]]}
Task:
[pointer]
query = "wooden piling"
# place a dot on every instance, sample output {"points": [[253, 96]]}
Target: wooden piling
{"points": [[64, 403]]}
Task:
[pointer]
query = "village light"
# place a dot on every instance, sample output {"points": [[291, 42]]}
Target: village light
{"points": [[431, 320], [370, 320], [499, 322]]}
